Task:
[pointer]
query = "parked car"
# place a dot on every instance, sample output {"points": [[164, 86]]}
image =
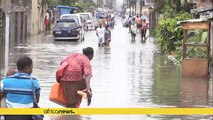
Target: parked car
{"points": [[67, 29], [101, 15], [79, 20], [89, 21]]}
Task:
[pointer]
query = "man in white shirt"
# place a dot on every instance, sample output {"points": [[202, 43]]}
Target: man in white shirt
{"points": [[100, 33]]}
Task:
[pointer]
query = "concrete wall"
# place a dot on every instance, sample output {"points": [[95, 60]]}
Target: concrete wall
{"points": [[37, 17], [211, 40], [34, 18], [33, 10], [18, 28], [2, 37], [5, 5]]}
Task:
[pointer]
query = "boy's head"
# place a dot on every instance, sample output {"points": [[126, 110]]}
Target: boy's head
{"points": [[25, 64]]}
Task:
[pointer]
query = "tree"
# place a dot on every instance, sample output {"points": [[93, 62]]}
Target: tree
{"points": [[160, 5], [186, 6], [49, 2], [68, 2], [174, 4], [169, 33], [178, 5]]}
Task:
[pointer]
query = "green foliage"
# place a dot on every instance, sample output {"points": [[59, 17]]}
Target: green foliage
{"points": [[197, 52], [167, 11], [186, 6], [169, 33], [160, 5], [178, 3], [49, 2], [200, 37], [174, 4], [179, 54], [86, 5], [152, 33], [68, 2]]}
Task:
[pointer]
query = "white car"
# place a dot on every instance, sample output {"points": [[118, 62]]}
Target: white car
{"points": [[89, 21], [80, 21]]}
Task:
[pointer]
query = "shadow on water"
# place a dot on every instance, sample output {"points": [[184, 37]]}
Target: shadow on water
{"points": [[194, 93]]}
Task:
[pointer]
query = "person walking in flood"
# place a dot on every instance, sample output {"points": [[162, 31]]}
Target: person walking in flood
{"points": [[46, 23], [138, 22], [107, 36], [133, 29], [76, 76], [100, 34], [17, 88], [144, 27]]}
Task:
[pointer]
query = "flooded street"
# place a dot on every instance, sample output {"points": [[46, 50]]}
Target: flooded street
{"points": [[127, 74]]}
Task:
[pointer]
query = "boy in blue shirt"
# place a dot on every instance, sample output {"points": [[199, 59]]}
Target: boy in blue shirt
{"points": [[17, 88]]}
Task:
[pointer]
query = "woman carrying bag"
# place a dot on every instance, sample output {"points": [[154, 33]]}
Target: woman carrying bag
{"points": [[76, 76]]}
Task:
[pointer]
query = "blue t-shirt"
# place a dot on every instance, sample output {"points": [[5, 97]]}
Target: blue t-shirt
{"points": [[18, 90], [143, 17]]}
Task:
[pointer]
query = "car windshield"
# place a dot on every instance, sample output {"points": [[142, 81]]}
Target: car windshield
{"points": [[86, 16], [66, 24], [70, 17]]}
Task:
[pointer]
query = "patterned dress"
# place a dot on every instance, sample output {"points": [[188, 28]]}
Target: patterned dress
{"points": [[73, 78], [107, 36]]}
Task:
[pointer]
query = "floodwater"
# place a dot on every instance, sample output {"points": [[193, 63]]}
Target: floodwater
{"points": [[127, 74]]}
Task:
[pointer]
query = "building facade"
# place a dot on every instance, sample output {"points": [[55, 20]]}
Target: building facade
{"points": [[19, 19]]}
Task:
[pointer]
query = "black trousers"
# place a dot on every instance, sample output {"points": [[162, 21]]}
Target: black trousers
{"points": [[143, 32], [18, 117]]}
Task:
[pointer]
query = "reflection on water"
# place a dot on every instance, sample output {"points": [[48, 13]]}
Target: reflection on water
{"points": [[101, 117], [166, 88], [66, 117], [194, 93], [129, 117]]}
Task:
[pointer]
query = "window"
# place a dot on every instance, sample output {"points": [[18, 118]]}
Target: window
{"points": [[66, 24]]}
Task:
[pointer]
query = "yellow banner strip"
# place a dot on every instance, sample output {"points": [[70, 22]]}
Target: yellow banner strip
{"points": [[105, 111]]}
